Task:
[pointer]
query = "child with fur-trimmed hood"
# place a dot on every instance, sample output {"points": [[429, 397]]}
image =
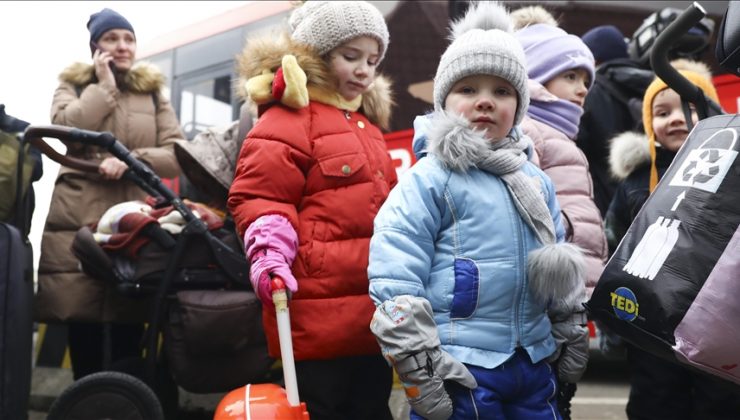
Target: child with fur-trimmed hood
{"points": [[660, 389], [639, 160], [311, 176], [467, 254]]}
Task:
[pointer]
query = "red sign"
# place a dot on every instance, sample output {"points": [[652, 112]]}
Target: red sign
{"points": [[399, 146], [728, 88]]}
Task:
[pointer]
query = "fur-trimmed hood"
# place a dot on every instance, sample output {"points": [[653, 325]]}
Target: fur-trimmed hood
{"points": [[142, 78], [458, 145], [628, 152], [263, 56]]}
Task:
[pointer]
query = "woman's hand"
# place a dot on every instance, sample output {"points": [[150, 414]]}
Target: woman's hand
{"points": [[112, 168], [102, 61]]}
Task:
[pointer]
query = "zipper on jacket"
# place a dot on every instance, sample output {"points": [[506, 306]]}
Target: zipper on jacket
{"points": [[523, 275], [346, 114]]}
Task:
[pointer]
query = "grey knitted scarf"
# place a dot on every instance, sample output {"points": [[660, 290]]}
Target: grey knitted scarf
{"points": [[460, 147], [505, 159]]}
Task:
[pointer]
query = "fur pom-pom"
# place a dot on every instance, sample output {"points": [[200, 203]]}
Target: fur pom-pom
{"points": [[628, 152], [484, 15], [455, 142], [532, 15], [557, 275]]}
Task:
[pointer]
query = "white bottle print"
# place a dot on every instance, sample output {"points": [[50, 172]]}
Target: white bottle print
{"points": [[652, 249], [641, 245], [665, 250]]}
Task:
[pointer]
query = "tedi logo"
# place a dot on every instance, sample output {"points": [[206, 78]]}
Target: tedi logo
{"points": [[624, 304]]}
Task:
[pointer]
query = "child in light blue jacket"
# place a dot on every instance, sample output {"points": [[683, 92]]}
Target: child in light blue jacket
{"points": [[467, 254]]}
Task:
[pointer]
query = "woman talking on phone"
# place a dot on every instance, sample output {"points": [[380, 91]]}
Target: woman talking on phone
{"points": [[111, 94]]}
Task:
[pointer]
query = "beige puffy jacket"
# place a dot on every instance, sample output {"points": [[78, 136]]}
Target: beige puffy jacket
{"points": [[145, 123]]}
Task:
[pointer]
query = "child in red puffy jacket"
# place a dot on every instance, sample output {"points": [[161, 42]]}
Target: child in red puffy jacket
{"points": [[311, 176]]}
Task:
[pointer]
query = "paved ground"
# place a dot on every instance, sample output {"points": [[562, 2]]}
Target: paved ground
{"points": [[48, 383], [602, 394]]}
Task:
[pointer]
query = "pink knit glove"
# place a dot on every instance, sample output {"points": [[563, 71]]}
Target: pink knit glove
{"points": [[271, 245]]}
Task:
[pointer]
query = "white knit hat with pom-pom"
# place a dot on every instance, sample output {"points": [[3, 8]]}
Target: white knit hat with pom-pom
{"points": [[482, 43]]}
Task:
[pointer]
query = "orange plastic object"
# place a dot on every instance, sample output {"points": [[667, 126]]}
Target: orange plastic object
{"points": [[259, 402]]}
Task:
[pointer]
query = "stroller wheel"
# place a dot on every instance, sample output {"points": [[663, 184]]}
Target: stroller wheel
{"points": [[107, 395], [164, 387]]}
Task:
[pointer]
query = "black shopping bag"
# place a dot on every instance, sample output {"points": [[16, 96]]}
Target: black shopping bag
{"points": [[673, 245]]}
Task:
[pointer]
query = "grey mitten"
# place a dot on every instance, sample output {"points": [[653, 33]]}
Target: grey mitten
{"points": [[571, 338], [570, 331], [407, 334], [423, 375]]}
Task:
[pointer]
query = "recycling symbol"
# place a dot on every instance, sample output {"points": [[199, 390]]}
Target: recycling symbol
{"points": [[704, 169], [706, 166]]}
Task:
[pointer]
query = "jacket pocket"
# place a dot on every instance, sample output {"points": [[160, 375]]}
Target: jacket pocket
{"points": [[343, 166], [465, 294]]}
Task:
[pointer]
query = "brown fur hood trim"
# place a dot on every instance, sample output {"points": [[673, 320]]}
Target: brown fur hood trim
{"points": [[629, 151], [266, 53], [142, 78]]}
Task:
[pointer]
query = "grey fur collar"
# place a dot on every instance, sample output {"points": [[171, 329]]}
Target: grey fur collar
{"points": [[628, 152], [459, 146]]}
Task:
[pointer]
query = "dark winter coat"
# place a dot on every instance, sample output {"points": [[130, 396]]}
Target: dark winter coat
{"points": [[605, 116], [630, 163]]}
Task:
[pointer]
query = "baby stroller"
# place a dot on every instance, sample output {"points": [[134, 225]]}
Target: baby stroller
{"points": [[202, 303]]}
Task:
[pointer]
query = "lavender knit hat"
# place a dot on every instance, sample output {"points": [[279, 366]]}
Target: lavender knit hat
{"points": [[551, 51], [325, 25], [482, 43]]}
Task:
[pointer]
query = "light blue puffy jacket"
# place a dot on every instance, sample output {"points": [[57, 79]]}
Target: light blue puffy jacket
{"points": [[456, 239]]}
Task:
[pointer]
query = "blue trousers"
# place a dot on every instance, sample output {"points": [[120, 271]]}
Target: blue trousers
{"points": [[516, 390]]}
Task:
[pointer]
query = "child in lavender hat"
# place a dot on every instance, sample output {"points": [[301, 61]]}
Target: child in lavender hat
{"points": [[561, 70]]}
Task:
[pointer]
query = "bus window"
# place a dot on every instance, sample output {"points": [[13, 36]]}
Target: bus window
{"points": [[205, 102]]}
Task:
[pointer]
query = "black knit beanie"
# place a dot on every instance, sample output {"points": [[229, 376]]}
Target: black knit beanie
{"points": [[103, 21]]}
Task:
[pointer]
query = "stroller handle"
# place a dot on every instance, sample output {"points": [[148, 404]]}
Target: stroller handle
{"points": [[34, 134], [137, 172], [663, 69]]}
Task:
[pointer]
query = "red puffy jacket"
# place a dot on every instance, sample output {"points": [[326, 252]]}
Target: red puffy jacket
{"points": [[328, 171]]}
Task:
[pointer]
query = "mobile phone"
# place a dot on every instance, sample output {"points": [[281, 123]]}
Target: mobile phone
{"points": [[111, 64]]}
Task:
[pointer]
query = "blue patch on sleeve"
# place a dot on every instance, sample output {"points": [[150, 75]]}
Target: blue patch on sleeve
{"points": [[465, 297]]}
